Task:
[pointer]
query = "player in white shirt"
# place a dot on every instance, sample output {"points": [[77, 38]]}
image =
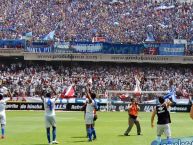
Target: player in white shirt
{"points": [[89, 116], [2, 115], [50, 115]]}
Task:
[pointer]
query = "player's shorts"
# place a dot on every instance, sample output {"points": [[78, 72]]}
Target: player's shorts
{"points": [[89, 119], [2, 119], [163, 128], [50, 121]]}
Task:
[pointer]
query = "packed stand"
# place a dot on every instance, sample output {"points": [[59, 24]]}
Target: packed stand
{"points": [[118, 21], [27, 80]]}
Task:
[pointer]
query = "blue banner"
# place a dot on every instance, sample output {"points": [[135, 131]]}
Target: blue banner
{"points": [[63, 47], [40, 49], [171, 49], [86, 47], [154, 45], [39, 44], [118, 48], [12, 43], [98, 47]]}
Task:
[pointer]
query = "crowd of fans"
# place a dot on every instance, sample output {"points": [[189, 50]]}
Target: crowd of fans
{"points": [[26, 80], [116, 20]]}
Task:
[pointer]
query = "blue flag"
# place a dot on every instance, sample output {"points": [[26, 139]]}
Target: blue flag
{"points": [[50, 36], [27, 36], [150, 37], [171, 94]]}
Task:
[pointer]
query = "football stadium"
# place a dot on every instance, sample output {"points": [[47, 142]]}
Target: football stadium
{"points": [[101, 72]]}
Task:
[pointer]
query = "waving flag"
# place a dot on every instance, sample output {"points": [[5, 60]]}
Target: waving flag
{"points": [[50, 36], [171, 94], [150, 37], [69, 92], [27, 36]]}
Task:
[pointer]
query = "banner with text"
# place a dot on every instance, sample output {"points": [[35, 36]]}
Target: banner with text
{"points": [[62, 47], [109, 58], [40, 47], [78, 106], [171, 49], [98, 47], [86, 47]]}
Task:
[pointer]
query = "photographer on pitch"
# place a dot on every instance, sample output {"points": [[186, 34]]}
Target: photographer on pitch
{"points": [[133, 109]]}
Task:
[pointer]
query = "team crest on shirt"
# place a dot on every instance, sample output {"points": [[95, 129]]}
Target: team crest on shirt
{"points": [[160, 108]]}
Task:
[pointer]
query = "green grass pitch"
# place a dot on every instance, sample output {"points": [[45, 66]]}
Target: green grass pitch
{"points": [[27, 128]]}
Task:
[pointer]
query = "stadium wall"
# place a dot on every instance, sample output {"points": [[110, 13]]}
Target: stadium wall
{"points": [[110, 58], [98, 52]]}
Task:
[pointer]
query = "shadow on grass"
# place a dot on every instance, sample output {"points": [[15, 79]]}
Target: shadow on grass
{"points": [[78, 137], [36, 144], [121, 135], [78, 141]]}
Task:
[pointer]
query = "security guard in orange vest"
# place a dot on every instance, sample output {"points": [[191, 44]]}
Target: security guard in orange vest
{"points": [[133, 109]]}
